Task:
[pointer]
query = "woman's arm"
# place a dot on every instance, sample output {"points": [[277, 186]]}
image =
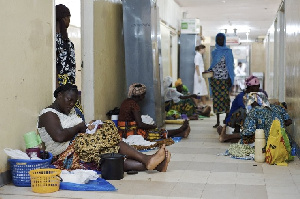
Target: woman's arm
{"points": [[140, 123], [53, 127]]}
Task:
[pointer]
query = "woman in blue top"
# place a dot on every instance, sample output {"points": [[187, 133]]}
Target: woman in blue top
{"points": [[260, 115], [223, 79], [237, 113]]}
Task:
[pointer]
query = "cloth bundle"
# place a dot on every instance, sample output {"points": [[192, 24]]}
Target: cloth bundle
{"points": [[147, 119], [137, 140], [78, 176]]}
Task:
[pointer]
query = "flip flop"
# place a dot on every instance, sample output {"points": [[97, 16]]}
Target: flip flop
{"points": [[216, 126]]}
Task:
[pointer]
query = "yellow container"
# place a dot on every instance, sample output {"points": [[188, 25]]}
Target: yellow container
{"points": [[45, 180]]}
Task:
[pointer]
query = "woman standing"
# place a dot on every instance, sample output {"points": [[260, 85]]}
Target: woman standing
{"points": [[65, 53], [223, 79], [200, 87]]}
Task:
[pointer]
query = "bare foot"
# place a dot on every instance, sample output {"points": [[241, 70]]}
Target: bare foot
{"points": [[185, 125], [222, 134], [156, 158], [162, 167], [187, 132], [219, 129]]}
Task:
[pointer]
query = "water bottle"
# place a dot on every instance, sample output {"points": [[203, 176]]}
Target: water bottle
{"points": [[260, 146]]}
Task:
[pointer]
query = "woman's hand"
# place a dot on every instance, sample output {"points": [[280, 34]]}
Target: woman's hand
{"points": [[229, 82], [90, 125]]}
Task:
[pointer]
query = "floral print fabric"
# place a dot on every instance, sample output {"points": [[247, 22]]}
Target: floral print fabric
{"points": [[65, 58]]}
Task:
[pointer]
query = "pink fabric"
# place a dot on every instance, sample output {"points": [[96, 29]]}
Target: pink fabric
{"points": [[252, 81]]}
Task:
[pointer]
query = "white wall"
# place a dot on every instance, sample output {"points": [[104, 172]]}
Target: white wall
{"points": [[170, 13]]}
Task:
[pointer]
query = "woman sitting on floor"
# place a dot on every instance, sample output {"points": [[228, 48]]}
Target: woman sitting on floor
{"points": [[237, 114], [204, 110], [259, 115], [176, 99], [63, 133], [130, 120]]}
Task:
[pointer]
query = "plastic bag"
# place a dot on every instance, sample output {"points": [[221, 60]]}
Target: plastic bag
{"points": [[276, 152], [174, 114], [16, 154], [287, 144]]}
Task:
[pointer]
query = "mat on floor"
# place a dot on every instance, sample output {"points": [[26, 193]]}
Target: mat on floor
{"points": [[93, 185]]}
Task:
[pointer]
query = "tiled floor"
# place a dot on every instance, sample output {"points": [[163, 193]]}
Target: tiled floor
{"points": [[197, 170]]}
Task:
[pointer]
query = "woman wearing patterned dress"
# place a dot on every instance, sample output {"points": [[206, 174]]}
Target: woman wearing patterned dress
{"points": [[223, 79], [65, 53], [64, 135], [260, 115], [130, 120]]}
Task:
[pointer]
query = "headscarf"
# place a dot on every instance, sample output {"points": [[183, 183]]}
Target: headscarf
{"points": [[258, 97], [167, 81], [136, 89], [178, 82], [223, 51], [61, 12], [252, 81]]}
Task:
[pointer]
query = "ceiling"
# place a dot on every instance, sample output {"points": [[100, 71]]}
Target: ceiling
{"points": [[253, 16]]}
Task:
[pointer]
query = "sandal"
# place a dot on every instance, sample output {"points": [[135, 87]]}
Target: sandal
{"points": [[216, 126]]}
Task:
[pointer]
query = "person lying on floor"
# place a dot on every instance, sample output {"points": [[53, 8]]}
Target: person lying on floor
{"points": [[176, 100], [130, 120], [259, 115], [63, 133], [237, 114]]}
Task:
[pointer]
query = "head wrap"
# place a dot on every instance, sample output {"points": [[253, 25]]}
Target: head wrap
{"points": [[252, 81], [258, 97], [167, 81], [61, 12], [223, 51], [136, 89], [178, 82]]}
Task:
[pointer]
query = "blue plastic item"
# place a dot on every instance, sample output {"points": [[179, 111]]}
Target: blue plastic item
{"points": [[93, 185], [293, 151], [176, 139], [20, 169]]}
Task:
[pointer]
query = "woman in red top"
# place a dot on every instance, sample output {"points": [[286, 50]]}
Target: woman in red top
{"points": [[130, 120]]}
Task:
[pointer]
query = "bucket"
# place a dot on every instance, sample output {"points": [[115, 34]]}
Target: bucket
{"points": [[112, 166], [32, 139], [115, 118]]}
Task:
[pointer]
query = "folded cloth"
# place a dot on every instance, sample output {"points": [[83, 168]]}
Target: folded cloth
{"points": [[78, 176], [137, 140], [96, 123], [147, 119]]}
